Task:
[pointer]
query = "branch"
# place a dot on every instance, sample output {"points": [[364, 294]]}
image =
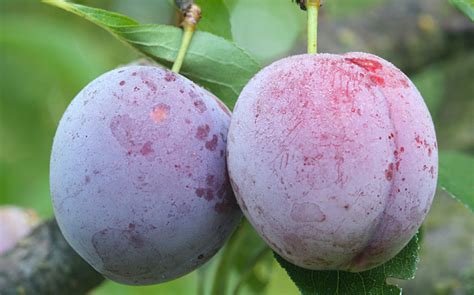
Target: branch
{"points": [[44, 263]]}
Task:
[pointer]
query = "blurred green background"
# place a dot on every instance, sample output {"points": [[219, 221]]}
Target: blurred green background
{"points": [[47, 56]]}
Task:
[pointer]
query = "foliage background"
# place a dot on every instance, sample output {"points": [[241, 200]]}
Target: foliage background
{"points": [[47, 56]]}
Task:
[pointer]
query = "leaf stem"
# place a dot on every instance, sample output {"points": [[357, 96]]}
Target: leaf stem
{"points": [[313, 8], [191, 17]]}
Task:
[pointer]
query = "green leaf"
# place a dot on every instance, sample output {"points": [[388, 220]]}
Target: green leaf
{"points": [[215, 18], [211, 61], [430, 83], [245, 264], [373, 282], [456, 176], [466, 6]]}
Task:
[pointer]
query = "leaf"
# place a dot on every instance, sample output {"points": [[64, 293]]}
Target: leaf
{"points": [[430, 83], [245, 264], [215, 18], [211, 61], [268, 29], [373, 282], [466, 6], [456, 176]]}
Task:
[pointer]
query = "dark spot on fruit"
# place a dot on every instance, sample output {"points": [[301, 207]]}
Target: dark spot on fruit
{"points": [[368, 64], [170, 76], [404, 83], [209, 194], [210, 180], [310, 161], [87, 179], [122, 83], [377, 80], [389, 172], [134, 73], [200, 192], [418, 139], [147, 149], [358, 111], [212, 144], [432, 172], [397, 165], [228, 203], [347, 206], [202, 132], [200, 106], [224, 187], [193, 94], [152, 86]]}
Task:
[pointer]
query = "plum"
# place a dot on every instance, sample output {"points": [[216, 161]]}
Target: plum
{"points": [[333, 159], [138, 175]]}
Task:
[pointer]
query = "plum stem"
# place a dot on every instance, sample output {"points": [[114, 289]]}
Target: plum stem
{"points": [[313, 8], [192, 15]]}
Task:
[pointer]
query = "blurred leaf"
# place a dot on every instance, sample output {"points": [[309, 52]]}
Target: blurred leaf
{"points": [[344, 8], [430, 83], [211, 61], [148, 11], [456, 176], [466, 6], [184, 285], [215, 18], [245, 264], [454, 123], [269, 29], [373, 282]]}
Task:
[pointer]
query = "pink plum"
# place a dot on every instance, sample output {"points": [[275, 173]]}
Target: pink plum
{"points": [[333, 159]]}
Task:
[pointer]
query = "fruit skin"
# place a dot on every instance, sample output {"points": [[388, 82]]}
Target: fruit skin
{"points": [[333, 159], [138, 175]]}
